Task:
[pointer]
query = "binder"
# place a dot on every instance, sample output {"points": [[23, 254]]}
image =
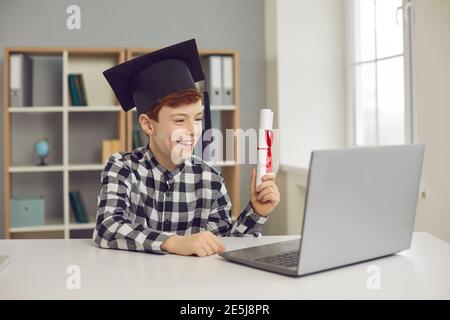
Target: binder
{"points": [[20, 79], [212, 66], [227, 70]]}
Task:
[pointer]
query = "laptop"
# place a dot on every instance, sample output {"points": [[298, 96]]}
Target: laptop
{"points": [[360, 205]]}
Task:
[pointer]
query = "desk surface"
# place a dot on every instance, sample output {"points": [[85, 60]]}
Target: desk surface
{"points": [[38, 270]]}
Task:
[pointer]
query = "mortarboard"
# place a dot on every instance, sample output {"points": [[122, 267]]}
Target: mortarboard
{"points": [[142, 81]]}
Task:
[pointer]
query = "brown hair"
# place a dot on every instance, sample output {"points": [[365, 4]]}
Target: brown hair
{"points": [[174, 100]]}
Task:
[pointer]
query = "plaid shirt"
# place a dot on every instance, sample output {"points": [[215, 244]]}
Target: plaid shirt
{"points": [[141, 204]]}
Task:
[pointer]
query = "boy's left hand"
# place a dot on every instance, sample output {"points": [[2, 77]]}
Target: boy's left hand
{"points": [[265, 197]]}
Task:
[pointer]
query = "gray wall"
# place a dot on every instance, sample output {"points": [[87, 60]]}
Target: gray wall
{"points": [[216, 24]]}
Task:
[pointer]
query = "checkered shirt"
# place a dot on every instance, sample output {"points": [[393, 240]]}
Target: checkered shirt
{"points": [[141, 204]]}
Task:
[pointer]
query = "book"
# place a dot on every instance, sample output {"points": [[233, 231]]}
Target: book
{"points": [[74, 98], [106, 150], [114, 146], [77, 90], [78, 208], [81, 89]]}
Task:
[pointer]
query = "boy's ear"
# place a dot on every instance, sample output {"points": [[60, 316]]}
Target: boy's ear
{"points": [[146, 123]]}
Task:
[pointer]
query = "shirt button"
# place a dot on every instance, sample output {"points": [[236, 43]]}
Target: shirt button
{"points": [[170, 175], [168, 194]]}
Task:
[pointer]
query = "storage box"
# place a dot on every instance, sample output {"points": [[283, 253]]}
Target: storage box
{"points": [[27, 211]]}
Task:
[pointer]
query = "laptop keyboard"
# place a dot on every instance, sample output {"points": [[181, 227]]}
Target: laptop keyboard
{"points": [[288, 259]]}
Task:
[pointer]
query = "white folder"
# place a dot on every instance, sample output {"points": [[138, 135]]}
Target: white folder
{"points": [[20, 80], [227, 68], [213, 71]]}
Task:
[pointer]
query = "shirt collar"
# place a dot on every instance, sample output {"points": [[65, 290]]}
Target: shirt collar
{"points": [[154, 164]]}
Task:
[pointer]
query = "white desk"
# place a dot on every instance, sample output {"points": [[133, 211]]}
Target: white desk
{"points": [[37, 270]]}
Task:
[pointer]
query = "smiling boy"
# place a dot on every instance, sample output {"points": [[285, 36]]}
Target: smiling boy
{"points": [[161, 198]]}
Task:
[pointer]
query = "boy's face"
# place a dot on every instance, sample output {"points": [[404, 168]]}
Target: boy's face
{"points": [[177, 130]]}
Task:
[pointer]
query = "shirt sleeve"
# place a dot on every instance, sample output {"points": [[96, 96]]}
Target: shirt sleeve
{"points": [[220, 222], [115, 228]]}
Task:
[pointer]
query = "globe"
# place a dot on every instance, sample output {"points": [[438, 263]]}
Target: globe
{"points": [[42, 149]]}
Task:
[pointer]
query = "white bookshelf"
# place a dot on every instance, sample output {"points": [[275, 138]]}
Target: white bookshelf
{"points": [[35, 109], [213, 108], [223, 108], [76, 127], [225, 163], [24, 169], [95, 109], [62, 109], [51, 225], [85, 167], [75, 162], [50, 168], [81, 226]]}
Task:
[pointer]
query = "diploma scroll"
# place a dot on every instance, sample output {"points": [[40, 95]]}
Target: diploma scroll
{"points": [[265, 140]]}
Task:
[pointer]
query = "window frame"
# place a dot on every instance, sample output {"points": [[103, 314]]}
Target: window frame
{"points": [[410, 127]]}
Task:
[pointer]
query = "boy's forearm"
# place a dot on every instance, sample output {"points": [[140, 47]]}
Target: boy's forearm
{"points": [[201, 244]]}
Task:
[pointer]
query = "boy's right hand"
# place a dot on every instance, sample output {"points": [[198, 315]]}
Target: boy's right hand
{"points": [[201, 244]]}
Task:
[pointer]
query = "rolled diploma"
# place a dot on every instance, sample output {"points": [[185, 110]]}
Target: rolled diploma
{"points": [[265, 123]]}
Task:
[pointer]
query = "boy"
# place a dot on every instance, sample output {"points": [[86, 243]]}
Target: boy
{"points": [[160, 198]]}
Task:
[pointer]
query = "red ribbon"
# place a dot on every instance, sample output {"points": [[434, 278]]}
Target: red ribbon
{"points": [[269, 141]]}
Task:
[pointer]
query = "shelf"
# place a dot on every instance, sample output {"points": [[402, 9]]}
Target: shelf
{"points": [[42, 109], [60, 168], [81, 226], [52, 225], [22, 169], [33, 109], [223, 108], [214, 108], [94, 108], [86, 167], [228, 163]]}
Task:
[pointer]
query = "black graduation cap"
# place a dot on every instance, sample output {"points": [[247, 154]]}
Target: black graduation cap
{"points": [[142, 81]]}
